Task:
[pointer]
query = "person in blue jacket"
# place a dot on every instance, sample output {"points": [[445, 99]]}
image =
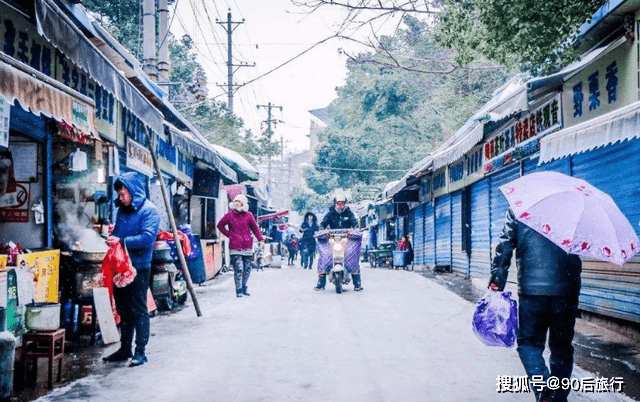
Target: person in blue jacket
{"points": [[136, 227]]}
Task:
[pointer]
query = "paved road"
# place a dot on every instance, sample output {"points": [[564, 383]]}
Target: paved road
{"points": [[405, 338]]}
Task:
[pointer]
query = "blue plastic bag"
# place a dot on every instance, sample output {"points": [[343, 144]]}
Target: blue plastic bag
{"points": [[495, 321]]}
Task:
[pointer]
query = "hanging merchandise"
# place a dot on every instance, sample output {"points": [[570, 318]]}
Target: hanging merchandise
{"points": [[38, 210], [114, 162], [78, 161]]}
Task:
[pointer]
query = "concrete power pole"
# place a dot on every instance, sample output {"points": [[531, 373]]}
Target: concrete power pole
{"points": [[163, 52], [149, 59], [269, 132], [231, 26]]}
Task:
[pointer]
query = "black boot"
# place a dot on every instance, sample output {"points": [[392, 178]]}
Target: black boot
{"points": [[119, 355], [244, 291], [239, 292], [322, 281], [357, 282]]}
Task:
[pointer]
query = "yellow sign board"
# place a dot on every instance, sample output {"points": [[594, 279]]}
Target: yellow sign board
{"points": [[3, 262], [45, 268]]}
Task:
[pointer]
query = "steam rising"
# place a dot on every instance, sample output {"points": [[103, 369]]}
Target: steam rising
{"points": [[74, 229]]}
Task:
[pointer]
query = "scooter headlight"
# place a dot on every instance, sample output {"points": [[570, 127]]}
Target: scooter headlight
{"points": [[337, 247]]}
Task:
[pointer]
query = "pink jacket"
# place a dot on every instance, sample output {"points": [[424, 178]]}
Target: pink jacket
{"points": [[237, 226]]}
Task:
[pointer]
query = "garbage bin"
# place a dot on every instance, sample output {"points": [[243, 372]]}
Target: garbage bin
{"points": [[400, 258], [7, 356]]}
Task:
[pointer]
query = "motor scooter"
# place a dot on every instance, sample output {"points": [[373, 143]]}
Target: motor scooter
{"points": [[337, 241], [168, 285]]}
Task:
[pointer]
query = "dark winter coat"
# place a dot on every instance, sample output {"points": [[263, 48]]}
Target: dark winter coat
{"points": [[137, 225], [339, 220], [237, 226], [308, 241], [544, 269]]}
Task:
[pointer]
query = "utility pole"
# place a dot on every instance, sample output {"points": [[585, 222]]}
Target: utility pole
{"points": [[149, 59], [231, 26], [269, 132], [163, 52]]}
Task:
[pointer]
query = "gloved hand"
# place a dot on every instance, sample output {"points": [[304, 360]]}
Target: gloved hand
{"points": [[493, 287]]}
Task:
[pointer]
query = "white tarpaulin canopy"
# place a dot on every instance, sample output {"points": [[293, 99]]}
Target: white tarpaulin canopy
{"points": [[618, 125]]}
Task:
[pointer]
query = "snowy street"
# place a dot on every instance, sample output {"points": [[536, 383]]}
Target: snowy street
{"points": [[404, 338]]}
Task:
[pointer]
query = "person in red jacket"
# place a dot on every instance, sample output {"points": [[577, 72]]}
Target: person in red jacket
{"points": [[237, 225]]}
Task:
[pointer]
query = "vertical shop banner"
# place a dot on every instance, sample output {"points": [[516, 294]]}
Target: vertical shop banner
{"points": [[5, 112], [3, 283], [45, 268], [207, 252]]}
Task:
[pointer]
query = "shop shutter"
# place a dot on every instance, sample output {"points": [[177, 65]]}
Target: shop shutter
{"points": [[498, 202], [480, 260], [418, 234], [429, 235], [558, 165], [459, 257], [443, 230], [608, 289]]}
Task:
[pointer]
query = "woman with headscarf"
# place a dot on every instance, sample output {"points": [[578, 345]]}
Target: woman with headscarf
{"points": [[308, 242], [237, 225]]}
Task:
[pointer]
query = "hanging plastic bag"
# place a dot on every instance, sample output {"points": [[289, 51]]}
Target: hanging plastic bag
{"points": [[495, 320], [126, 277]]}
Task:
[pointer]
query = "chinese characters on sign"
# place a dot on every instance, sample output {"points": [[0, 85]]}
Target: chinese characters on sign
{"points": [[139, 158], [540, 121], [611, 86]]}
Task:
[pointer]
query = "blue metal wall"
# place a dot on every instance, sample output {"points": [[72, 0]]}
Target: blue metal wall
{"points": [[608, 289], [480, 260], [558, 165], [418, 235], [429, 235], [459, 257], [443, 230], [498, 202]]}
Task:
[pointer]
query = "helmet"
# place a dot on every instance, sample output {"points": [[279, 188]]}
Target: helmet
{"points": [[340, 197]]}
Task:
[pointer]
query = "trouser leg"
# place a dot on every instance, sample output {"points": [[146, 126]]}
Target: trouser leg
{"points": [[534, 320], [310, 260], [563, 319], [236, 263], [247, 262]]}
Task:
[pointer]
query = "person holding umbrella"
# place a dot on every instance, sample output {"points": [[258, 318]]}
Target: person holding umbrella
{"points": [[552, 219], [548, 289]]}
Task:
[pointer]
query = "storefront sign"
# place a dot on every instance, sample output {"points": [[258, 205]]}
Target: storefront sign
{"points": [[139, 158], [45, 268], [167, 155], [542, 120], [21, 41], [606, 84], [185, 169], [105, 103], [206, 183], [5, 113]]}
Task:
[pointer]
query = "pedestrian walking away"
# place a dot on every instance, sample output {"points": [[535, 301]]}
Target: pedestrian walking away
{"points": [[308, 242], [339, 216], [548, 289], [237, 225], [137, 223]]}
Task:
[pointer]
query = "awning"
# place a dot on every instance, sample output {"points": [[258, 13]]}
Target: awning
{"points": [[42, 95], [191, 144], [245, 170], [509, 99], [273, 215], [618, 125], [55, 26]]}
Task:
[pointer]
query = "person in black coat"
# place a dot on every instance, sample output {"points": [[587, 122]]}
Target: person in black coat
{"points": [[339, 216], [308, 242], [548, 289]]}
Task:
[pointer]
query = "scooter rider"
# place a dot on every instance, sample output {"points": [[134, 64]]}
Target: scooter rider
{"points": [[339, 216]]}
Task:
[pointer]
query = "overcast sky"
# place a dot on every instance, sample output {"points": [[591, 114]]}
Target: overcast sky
{"points": [[273, 32]]}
